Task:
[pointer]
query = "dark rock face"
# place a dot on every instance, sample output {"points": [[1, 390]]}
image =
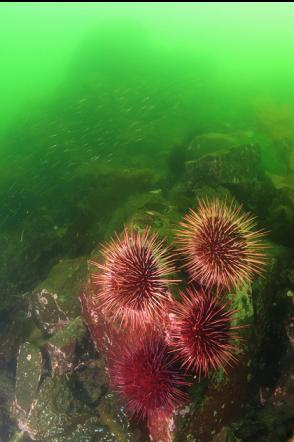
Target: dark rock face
{"points": [[271, 419], [56, 297], [71, 402], [271, 309], [28, 376], [6, 401], [237, 169], [47, 312], [61, 392], [16, 326], [62, 347], [210, 143], [238, 166], [281, 211], [90, 381]]}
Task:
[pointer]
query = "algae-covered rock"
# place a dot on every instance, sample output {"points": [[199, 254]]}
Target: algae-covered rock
{"points": [[241, 300], [270, 417], [210, 143], [6, 401], [113, 415], [91, 430], [214, 403], [90, 381], [239, 170], [72, 404], [15, 327], [263, 309], [54, 412], [147, 209], [225, 435], [28, 376], [46, 311], [55, 301], [61, 347], [57, 415], [281, 210], [231, 167], [6, 386], [271, 308]]}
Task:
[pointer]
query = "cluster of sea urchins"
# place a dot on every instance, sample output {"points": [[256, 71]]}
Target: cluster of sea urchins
{"points": [[164, 339]]}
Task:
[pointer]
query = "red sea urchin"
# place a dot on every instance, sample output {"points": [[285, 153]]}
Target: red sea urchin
{"points": [[143, 372], [201, 332], [132, 283], [220, 246]]}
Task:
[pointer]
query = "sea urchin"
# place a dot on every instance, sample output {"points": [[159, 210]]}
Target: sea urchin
{"points": [[143, 372], [132, 282], [201, 331], [220, 246]]}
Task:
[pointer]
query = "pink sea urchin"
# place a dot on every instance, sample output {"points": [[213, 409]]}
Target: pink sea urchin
{"points": [[132, 282], [143, 372], [201, 333], [219, 245]]}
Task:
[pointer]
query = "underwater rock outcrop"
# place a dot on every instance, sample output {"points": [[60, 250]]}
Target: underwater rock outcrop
{"points": [[119, 339], [61, 392]]}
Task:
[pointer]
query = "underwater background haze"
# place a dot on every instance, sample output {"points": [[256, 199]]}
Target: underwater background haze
{"points": [[115, 114]]}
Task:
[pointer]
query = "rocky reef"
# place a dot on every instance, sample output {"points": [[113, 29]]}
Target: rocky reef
{"points": [[52, 378]]}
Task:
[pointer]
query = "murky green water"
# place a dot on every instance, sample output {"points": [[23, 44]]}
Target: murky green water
{"points": [[118, 113]]}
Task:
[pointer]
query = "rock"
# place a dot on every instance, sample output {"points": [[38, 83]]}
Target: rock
{"points": [[19, 436], [57, 415], [15, 327], [6, 387], [209, 143], [46, 311], [98, 327], [61, 347], [282, 181], [72, 405], [271, 307], [28, 376], [112, 415], [280, 216], [233, 167], [264, 307], [55, 412], [54, 302], [90, 381], [239, 170], [241, 301], [214, 403], [225, 435], [147, 209], [270, 420], [277, 122], [91, 430], [6, 401]]}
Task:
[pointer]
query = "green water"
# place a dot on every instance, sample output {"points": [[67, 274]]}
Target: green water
{"points": [[126, 113], [231, 52]]}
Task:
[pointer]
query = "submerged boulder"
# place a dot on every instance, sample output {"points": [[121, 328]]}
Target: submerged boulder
{"points": [[280, 216], [209, 143], [74, 404], [6, 402], [54, 302], [62, 346], [239, 170], [28, 377], [238, 166]]}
